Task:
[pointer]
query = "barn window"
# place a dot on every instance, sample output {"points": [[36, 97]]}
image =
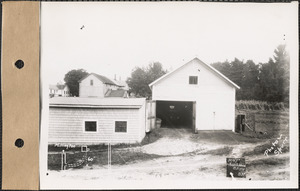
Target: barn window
{"points": [[91, 82], [90, 126], [121, 126], [193, 80]]}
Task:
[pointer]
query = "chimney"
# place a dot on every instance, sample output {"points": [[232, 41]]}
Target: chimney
{"points": [[119, 78], [115, 77]]}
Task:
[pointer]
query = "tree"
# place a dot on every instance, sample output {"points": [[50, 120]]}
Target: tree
{"points": [[250, 81], [265, 81], [282, 58], [223, 67], [274, 77], [243, 74], [72, 80], [233, 70], [138, 82], [155, 71], [142, 77]]}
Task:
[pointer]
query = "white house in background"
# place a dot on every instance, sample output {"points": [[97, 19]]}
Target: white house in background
{"points": [[195, 96], [79, 121], [59, 90], [95, 85]]}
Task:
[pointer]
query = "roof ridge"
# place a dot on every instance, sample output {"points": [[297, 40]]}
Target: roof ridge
{"points": [[102, 78], [197, 59]]}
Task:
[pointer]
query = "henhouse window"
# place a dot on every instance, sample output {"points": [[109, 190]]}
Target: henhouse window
{"points": [[91, 82], [193, 80], [121, 126], [90, 126]]}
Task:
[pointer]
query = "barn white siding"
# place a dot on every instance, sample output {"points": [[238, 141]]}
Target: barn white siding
{"points": [[98, 89], [214, 96]]}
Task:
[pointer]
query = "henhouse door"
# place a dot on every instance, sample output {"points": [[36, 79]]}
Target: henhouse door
{"points": [[150, 115]]}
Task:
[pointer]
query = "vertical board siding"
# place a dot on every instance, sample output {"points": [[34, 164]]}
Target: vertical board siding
{"points": [[142, 117], [66, 125]]}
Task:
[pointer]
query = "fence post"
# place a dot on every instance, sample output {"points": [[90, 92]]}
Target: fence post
{"points": [[109, 155], [63, 160]]}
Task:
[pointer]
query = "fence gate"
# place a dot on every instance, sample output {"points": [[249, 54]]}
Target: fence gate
{"points": [[150, 115]]}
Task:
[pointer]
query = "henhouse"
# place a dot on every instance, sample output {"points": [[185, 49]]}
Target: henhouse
{"points": [[79, 121]]}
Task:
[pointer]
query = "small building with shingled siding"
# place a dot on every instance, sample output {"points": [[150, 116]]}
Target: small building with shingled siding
{"points": [[88, 121]]}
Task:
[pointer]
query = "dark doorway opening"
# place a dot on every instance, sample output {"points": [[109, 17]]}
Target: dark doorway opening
{"points": [[175, 114]]}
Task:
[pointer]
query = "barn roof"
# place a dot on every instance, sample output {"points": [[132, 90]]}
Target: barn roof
{"points": [[104, 79], [80, 102], [200, 62]]}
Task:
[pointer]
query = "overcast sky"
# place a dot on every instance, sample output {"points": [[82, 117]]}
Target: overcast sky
{"points": [[119, 36]]}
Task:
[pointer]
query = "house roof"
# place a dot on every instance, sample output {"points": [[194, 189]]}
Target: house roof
{"points": [[57, 87], [79, 102], [53, 87], [104, 79], [117, 93], [122, 83], [200, 62]]}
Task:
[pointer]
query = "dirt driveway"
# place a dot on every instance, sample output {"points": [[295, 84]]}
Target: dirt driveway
{"points": [[181, 154], [183, 141]]}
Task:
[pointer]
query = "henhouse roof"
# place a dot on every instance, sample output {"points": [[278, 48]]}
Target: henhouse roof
{"points": [[80, 102]]}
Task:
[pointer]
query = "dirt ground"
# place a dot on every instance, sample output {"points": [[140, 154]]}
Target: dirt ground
{"points": [[181, 154]]}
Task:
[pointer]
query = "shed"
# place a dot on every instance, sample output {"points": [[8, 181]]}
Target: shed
{"points": [[89, 121], [195, 96]]}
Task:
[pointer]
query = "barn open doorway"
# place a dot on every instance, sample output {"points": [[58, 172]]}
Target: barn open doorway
{"points": [[175, 114]]}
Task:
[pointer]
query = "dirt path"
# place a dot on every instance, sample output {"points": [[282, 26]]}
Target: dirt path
{"points": [[187, 157], [198, 167]]}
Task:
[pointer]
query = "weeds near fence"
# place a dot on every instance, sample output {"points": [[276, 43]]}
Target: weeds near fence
{"points": [[260, 105]]}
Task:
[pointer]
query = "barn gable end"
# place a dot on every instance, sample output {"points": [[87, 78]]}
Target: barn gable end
{"points": [[211, 92], [197, 66]]}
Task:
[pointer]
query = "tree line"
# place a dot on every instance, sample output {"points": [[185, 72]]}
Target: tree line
{"points": [[264, 81]]}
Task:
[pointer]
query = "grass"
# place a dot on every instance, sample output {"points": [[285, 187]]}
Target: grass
{"points": [[151, 137], [260, 149], [268, 162], [221, 151], [224, 137], [99, 157], [267, 124], [260, 105], [96, 147], [99, 153]]}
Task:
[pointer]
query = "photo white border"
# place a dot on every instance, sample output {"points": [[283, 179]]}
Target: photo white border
{"points": [[47, 182]]}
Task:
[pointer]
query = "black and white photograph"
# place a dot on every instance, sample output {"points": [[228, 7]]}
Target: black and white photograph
{"points": [[169, 95]]}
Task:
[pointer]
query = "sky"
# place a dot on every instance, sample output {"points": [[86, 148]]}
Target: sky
{"points": [[117, 37]]}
